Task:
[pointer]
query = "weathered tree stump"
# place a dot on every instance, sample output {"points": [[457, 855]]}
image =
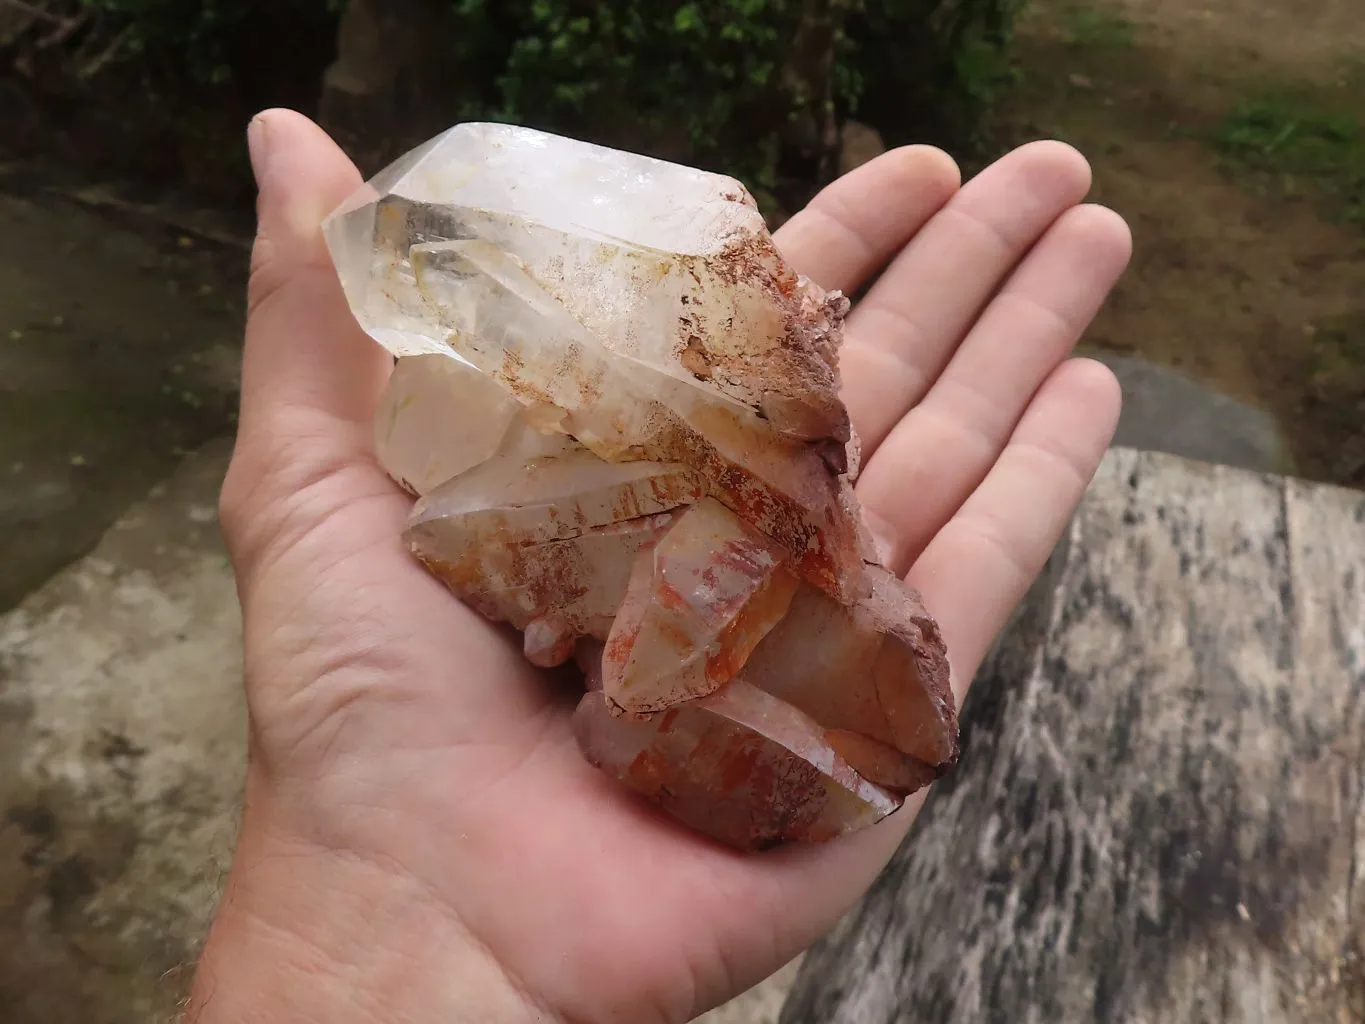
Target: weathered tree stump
{"points": [[1157, 814]]}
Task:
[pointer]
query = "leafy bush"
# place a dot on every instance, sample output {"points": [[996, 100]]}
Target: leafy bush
{"points": [[670, 76], [206, 42], [1298, 144], [755, 87], [926, 70]]}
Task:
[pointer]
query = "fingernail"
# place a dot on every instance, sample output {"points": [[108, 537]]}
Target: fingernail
{"points": [[258, 148]]}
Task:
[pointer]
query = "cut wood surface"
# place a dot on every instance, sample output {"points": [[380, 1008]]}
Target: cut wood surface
{"points": [[1156, 817]]}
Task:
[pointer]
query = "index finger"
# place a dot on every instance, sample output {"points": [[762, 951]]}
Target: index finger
{"points": [[856, 224]]}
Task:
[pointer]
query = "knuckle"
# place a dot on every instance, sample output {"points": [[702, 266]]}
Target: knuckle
{"points": [[265, 277], [233, 503], [243, 502]]}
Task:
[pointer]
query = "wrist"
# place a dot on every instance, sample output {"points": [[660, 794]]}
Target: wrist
{"points": [[304, 934]]}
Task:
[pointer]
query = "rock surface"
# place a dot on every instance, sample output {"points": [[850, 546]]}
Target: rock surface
{"points": [[104, 382], [1157, 814], [761, 1004], [1166, 411], [122, 736]]}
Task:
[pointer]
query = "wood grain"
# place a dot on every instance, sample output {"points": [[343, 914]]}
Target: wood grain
{"points": [[1157, 815]]}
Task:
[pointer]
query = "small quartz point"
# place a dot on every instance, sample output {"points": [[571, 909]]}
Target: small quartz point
{"points": [[738, 764], [555, 591], [698, 603], [618, 408], [549, 497], [892, 671], [434, 396]]}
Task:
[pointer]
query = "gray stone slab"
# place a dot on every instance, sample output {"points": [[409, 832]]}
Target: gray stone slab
{"points": [[1157, 816], [122, 740], [1166, 411]]}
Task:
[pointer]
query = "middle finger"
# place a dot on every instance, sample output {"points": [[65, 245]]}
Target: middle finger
{"points": [[901, 336]]}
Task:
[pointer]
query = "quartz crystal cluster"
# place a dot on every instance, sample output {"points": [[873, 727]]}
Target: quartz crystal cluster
{"points": [[617, 406]]}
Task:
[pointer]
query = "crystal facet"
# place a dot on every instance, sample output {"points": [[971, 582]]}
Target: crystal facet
{"points": [[618, 407], [434, 396], [739, 764], [698, 603]]}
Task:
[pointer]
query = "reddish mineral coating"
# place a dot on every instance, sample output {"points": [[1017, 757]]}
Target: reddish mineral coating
{"points": [[779, 484], [698, 603], [782, 488], [562, 588], [877, 669], [739, 765], [912, 673]]}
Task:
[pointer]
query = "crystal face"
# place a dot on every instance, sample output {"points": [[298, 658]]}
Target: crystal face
{"points": [[617, 406]]}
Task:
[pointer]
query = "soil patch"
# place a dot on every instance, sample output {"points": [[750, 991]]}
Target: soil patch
{"points": [[119, 347], [1248, 272]]}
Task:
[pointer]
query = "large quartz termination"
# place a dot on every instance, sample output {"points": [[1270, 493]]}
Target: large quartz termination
{"points": [[618, 408]]}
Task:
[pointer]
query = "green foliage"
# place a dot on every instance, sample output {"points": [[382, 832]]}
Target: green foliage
{"points": [[727, 82], [671, 75], [1300, 146], [753, 87], [928, 69], [200, 42]]}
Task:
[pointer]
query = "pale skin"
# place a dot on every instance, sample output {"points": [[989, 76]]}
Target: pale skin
{"points": [[422, 840]]}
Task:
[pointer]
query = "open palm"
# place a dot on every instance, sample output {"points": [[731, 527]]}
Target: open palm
{"points": [[398, 740]]}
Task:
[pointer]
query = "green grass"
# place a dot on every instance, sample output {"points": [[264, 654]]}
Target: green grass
{"points": [[1090, 29], [1301, 147]]}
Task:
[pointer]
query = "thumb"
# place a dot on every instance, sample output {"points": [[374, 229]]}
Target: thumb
{"points": [[311, 378], [301, 176], [303, 348]]}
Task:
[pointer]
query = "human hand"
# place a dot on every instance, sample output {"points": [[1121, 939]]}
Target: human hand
{"points": [[422, 839]]}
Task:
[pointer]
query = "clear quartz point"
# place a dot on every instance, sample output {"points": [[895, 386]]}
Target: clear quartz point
{"points": [[618, 407], [892, 673]]}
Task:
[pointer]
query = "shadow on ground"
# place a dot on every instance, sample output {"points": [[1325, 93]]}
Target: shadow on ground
{"points": [[118, 354]]}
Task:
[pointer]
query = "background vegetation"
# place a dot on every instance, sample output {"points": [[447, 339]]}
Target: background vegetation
{"points": [[1229, 135], [754, 87]]}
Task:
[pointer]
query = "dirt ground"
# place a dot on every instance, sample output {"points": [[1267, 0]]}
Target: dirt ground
{"points": [[1246, 274], [118, 354]]}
